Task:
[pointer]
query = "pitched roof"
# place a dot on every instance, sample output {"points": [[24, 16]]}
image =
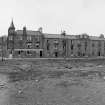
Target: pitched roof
{"points": [[59, 36], [96, 38], [52, 35], [46, 35], [29, 32]]}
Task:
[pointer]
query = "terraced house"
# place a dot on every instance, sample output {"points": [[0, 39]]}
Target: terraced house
{"points": [[36, 44]]}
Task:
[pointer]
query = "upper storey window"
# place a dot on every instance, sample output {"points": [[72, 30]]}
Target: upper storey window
{"points": [[10, 37], [37, 44], [29, 45], [29, 38], [20, 37], [56, 42], [93, 45], [48, 45]]}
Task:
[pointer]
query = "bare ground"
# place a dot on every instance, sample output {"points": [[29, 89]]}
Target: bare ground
{"points": [[52, 82]]}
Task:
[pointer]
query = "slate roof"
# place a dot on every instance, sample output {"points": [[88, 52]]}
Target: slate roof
{"points": [[46, 35], [96, 38], [52, 35], [29, 32], [59, 36]]}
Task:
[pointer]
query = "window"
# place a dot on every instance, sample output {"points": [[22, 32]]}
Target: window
{"points": [[56, 41], [55, 46], [56, 54], [48, 45], [79, 45], [79, 54], [41, 53], [71, 47], [37, 44], [92, 44], [29, 38], [10, 37], [20, 37], [85, 46], [64, 43], [37, 39], [93, 53], [71, 44], [99, 44], [19, 52], [99, 54], [29, 45], [29, 53]]}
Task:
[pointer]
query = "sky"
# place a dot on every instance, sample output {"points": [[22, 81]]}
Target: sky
{"points": [[73, 16]]}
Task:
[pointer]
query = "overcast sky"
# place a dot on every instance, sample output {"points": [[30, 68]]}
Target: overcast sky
{"points": [[73, 16]]}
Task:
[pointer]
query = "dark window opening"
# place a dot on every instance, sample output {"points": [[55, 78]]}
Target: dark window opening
{"points": [[41, 53], [71, 47], [64, 44], [99, 54], [29, 53], [48, 45], [83, 54], [19, 52], [85, 46], [56, 54], [79, 54], [11, 52], [29, 44], [37, 46]]}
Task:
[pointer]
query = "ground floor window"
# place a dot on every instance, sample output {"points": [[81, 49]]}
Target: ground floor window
{"points": [[56, 54], [41, 53], [29, 53], [83, 54], [99, 54], [19, 52], [79, 54]]}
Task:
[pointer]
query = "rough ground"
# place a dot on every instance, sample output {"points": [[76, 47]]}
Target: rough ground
{"points": [[52, 82]]}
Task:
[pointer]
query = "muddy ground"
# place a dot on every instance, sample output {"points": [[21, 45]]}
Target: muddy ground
{"points": [[52, 82]]}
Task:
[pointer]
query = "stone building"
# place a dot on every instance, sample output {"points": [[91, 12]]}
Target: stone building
{"points": [[36, 44], [25, 43], [3, 46]]}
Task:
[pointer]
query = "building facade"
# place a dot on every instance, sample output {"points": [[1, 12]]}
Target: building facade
{"points": [[36, 44]]}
